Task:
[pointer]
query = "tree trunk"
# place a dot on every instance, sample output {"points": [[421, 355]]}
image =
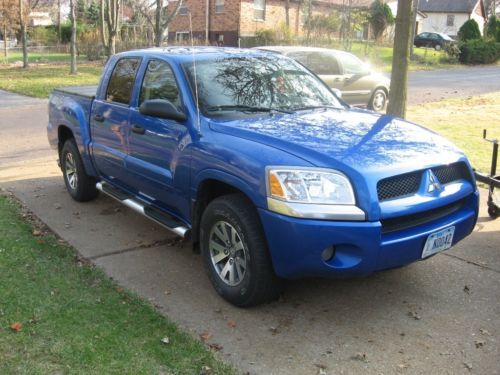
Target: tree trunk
{"points": [[112, 44], [400, 59], [158, 23], [59, 32], [73, 37], [287, 14], [103, 30], [5, 48], [414, 26], [23, 34]]}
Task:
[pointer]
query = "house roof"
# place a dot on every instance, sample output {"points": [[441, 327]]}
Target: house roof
{"points": [[448, 6]]}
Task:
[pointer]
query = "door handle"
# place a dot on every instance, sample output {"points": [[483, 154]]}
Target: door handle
{"points": [[99, 118], [138, 129]]}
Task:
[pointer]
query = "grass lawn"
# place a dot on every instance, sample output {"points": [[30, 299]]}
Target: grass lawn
{"points": [[40, 80], [462, 121], [38, 57], [73, 319]]}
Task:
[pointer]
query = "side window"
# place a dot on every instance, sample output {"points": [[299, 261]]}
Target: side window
{"points": [[122, 80], [323, 64], [159, 83], [352, 65]]}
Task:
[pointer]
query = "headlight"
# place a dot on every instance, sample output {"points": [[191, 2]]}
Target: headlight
{"points": [[312, 193], [312, 185]]}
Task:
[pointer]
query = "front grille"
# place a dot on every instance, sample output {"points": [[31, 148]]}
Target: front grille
{"points": [[409, 183], [452, 172], [398, 186], [409, 221]]}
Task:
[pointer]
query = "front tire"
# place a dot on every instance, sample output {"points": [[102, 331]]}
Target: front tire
{"points": [[378, 100], [235, 254], [80, 186]]}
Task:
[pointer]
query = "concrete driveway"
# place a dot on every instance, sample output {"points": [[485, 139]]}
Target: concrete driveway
{"points": [[438, 316]]}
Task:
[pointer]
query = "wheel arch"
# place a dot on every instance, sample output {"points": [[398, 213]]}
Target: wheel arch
{"points": [[211, 186]]}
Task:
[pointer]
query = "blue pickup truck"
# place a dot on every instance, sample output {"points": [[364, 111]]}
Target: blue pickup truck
{"points": [[254, 159]]}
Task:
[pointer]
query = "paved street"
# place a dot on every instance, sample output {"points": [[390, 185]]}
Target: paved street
{"points": [[438, 316], [434, 85]]}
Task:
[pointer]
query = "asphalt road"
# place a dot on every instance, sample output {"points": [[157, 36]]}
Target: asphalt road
{"points": [[434, 85], [438, 316]]}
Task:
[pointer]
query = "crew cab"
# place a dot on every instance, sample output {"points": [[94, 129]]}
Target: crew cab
{"points": [[257, 161]]}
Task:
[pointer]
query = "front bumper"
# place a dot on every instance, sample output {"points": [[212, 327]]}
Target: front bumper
{"points": [[296, 245]]}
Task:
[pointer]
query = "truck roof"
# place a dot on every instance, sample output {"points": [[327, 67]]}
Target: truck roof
{"points": [[184, 53]]}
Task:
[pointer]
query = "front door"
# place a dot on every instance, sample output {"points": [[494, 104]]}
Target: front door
{"points": [[156, 144], [110, 120]]}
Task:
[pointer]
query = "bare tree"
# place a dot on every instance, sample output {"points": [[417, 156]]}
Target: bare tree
{"points": [[72, 6], [400, 60], [158, 17], [8, 11], [109, 24], [25, 8]]}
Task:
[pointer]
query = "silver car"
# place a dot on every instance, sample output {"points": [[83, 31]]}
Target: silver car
{"points": [[342, 71]]}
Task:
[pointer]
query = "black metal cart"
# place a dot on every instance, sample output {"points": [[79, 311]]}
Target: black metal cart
{"points": [[493, 180]]}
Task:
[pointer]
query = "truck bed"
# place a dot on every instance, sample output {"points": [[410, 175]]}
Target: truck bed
{"points": [[88, 92]]}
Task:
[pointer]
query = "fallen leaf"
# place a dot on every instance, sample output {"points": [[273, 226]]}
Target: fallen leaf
{"points": [[468, 366], [40, 242], [274, 330], [321, 371], [484, 332], [165, 340], [205, 336], [360, 357], [205, 370], [466, 289], [479, 343], [403, 366], [231, 323], [414, 315], [16, 326], [215, 346], [37, 232]]}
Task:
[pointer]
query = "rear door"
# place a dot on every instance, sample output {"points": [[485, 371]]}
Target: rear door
{"points": [[110, 122], [357, 82], [324, 64], [155, 144]]}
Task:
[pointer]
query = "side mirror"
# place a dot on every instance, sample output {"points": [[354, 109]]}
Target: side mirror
{"points": [[161, 108]]}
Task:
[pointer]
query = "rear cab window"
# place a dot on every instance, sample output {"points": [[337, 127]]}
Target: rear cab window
{"points": [[122, 79]]}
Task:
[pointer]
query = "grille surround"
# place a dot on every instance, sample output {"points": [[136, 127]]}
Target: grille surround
{"points": [[408, 184]]}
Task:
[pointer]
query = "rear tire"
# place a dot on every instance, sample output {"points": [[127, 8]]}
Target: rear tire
{"points": [[235, 254], [80, 186], [378, 101]]}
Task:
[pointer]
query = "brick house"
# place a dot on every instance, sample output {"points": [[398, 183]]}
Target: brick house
{"points": [[227, 22]]}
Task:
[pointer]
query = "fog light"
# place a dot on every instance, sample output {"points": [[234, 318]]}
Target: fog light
{"points": [[328, 253]]}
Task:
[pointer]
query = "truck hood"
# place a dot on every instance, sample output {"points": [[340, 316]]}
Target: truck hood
{"points": [[360, 140]]}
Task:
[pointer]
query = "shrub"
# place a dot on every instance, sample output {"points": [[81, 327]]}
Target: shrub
{"points": [[266, 37], [452, 53], [493, 28], [479, 51], [469, 31], [380, 16]]}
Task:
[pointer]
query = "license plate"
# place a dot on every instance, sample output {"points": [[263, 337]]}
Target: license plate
{"points": [[438, 241]]}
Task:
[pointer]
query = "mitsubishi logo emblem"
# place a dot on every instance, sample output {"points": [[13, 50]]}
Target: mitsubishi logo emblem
{"points": [[433, 184]]}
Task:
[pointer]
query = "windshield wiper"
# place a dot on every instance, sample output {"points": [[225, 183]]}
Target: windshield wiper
{"points": [[245, 108]]}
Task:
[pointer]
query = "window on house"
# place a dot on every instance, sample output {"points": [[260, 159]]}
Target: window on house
{"points": [[219, 6], [183, 10], [182, 36], [450, 20], [259, 9]]}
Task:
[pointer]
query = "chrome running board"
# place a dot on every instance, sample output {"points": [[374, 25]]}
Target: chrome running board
{"points": [[164, 219]]}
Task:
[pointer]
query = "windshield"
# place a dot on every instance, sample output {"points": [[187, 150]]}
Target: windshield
{"points": [[257, 84]]}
